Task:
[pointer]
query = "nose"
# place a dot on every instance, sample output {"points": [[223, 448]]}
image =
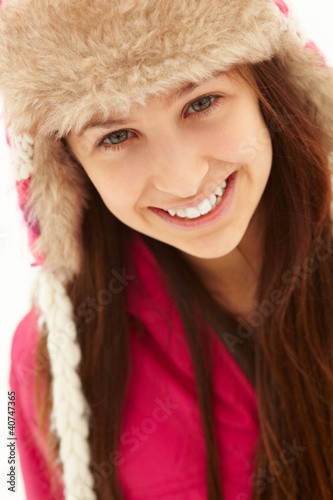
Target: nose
{"points": [[176, 166]]}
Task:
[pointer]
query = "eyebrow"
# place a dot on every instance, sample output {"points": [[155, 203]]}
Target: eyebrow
{"points": [[180, 92], [101, 124], [169, 99]]}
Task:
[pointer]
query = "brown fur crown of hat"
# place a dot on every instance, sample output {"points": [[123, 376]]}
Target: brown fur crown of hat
{"points": [[64, 62]]}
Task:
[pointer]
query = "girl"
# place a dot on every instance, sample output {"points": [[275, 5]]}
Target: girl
{"points": [[173, 166]]}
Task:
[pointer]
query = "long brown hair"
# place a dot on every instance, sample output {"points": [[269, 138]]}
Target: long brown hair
{"points": [[290, 350]]}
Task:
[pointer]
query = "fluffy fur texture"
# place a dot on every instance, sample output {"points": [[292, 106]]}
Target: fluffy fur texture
{"points": [[65, 62], [69, 65], [57, 198]]}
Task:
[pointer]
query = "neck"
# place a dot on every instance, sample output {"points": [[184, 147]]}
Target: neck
{"points": [[233, 278]]}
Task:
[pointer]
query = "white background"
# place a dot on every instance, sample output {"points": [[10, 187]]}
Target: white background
{"points": [[16, 274]]}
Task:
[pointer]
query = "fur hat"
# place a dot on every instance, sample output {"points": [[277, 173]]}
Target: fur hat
{"points": [[60, 67]]}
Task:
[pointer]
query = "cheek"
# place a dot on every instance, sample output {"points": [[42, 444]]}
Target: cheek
{"points": [[241, 137], [236, 147], [118, 186], [254, 147]]}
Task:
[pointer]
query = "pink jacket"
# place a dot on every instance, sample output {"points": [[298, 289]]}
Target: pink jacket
{"points": [[162, 452]]}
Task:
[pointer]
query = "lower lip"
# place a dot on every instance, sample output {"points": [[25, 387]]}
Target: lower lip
{"points": [[212, 216]]}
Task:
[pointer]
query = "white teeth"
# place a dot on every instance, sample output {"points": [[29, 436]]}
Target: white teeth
{"points": [[192, 212], [212, 199], [204, 207]]}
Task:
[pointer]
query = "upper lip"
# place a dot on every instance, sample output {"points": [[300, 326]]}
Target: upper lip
{"points": [[197, 201]]}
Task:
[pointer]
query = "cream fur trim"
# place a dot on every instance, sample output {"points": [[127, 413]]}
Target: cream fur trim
{"points": [[58, 196]]}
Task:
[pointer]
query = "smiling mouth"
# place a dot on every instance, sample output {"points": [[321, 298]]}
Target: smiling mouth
{"points": [[204, 207], [199, 221]]}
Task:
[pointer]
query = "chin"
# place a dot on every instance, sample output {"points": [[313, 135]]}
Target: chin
{"points": [[215, 250]]}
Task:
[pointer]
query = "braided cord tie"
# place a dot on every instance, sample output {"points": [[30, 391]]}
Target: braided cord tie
{"points": [[69, 417]]}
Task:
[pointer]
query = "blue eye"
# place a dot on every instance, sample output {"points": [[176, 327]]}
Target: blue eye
{"points": [[115, 140], [117, 137], [202, 103]]}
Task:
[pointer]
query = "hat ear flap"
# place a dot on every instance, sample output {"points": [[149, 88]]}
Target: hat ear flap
{"points": [[53, 196], [53, 192]]}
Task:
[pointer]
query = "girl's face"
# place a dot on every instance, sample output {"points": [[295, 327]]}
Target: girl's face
{"points": [[173, 154]]}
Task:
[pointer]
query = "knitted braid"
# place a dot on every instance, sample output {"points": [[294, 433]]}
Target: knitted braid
{"points": [[69, 418], [24, 150]]}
